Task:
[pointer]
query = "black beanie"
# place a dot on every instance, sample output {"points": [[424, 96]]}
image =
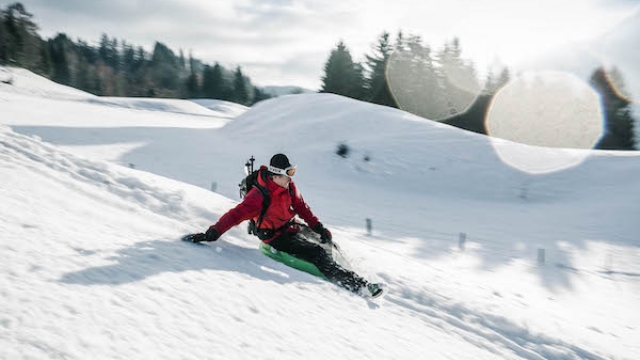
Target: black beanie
{"points": [[280, 161]]}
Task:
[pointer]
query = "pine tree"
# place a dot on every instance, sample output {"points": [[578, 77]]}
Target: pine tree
{"points": [[128, 61], [619, 123], [103, 51], [22, 45], [458, 79], [164, 67], [60, 64], [115, 55], [181, 62], [192, 88], [213, 84], [504, 78], [240, 92], [83, 80], [493, 85], [191, 85], [342, 75], [141, 57], [377, 85], [137, 75], [15, 41], [86, 53], [259, 95], [108, 52], [46, 61], [4, 40], [412, 79]]}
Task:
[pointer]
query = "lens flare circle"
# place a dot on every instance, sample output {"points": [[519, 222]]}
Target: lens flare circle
{"points": [[436, 91], [547, 109]]}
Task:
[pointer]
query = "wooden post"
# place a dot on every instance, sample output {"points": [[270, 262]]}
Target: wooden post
{"points": [[540, 256], [462, 240], [608, 264]]}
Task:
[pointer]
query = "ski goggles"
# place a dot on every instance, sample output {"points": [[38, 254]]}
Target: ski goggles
{"points": [[290, 171]]}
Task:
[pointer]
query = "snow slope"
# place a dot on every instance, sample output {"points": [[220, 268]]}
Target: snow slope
{"points": [[229, 109], [101, 272]]}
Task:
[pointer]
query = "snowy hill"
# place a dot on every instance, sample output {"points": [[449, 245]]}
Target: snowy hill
{"points": [[222, 107], [27, 83], [92, 266]]}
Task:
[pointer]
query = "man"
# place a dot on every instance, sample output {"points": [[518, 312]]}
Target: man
{"points": [[278, 228]]}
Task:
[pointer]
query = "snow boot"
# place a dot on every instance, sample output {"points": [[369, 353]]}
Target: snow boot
{"points": [[375, 290]]}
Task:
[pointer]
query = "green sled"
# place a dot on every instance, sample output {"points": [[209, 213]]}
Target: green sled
{"points": [[290, 260]]}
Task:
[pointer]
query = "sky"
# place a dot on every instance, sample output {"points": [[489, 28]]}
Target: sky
{"points": [[287, 42], [103, 188]]}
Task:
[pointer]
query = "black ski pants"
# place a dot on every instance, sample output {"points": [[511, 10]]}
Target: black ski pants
{"points": [[304, 245]]}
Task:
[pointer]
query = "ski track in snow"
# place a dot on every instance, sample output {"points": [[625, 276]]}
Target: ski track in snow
{"points": [[482, 330], [130, 188]]}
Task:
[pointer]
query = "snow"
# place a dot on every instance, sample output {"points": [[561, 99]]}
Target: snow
{"points": [[222, 107], [92, 265]]}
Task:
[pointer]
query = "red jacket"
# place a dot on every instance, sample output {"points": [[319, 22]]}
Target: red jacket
{"points": [[285, 204]]}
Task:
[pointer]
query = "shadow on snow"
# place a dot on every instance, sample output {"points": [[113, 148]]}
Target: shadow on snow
{"points": [[149, 258]]}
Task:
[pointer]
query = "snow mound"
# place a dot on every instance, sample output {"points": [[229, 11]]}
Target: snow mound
{"points": [[25, 82], [223, 108], [389, 146], [156, 104]]}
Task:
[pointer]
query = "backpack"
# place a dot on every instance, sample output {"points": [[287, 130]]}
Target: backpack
{"points": [[248, 183]]}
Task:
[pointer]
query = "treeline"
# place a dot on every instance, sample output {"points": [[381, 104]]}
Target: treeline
{"points": [[405, 73], [441, 85], [116, 67]]}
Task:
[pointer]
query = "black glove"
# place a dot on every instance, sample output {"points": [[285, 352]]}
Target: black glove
{"points": [[211, 234], [195, 238], [325, 235]]}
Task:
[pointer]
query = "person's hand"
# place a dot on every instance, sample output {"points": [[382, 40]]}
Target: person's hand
{"points": [[325, 235], [211, 234]]}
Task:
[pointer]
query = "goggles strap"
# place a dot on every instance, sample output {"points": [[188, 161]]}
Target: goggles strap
{"points": [[275, 170]]}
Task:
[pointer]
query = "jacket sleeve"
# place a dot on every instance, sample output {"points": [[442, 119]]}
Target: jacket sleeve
{"points": [[301, 207], [249, 208]]}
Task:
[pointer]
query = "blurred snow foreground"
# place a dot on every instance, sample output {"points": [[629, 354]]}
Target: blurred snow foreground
{"points": [[96, 192]]}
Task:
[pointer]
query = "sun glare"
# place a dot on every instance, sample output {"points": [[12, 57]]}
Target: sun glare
{"points": [[546, 109], [434, 86]]}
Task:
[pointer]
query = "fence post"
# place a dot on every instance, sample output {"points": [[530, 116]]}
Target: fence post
{"points": [[462, 240], [608, 264], [540, 256]]}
